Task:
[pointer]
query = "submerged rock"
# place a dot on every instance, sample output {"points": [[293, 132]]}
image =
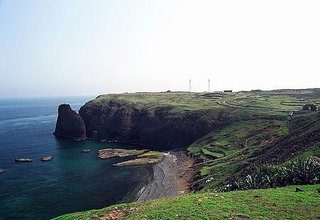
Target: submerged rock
{"points": [[2, 171], [23, 160], [47, 158], [69, 124], [85, 151]]}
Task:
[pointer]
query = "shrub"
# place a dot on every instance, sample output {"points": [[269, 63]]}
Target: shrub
{"points": [[295, 173]]}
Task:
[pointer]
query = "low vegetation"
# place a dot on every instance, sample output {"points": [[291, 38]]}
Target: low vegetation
{"points": [[277, 203], [239, 149], [110, 152], [141, 157], [293, 173], [182, 101], [151, 157]]}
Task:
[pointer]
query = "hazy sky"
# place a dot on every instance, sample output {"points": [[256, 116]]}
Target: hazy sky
{"points": [[59, 47]]}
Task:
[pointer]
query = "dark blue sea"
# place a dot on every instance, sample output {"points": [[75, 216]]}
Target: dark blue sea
{"points": [[72, 181]]}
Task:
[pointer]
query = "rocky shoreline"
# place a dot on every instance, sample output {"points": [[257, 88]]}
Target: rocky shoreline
{"points": [[171, 177]]}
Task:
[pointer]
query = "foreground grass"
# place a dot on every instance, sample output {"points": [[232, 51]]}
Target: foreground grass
{"points": [[278, 203]]}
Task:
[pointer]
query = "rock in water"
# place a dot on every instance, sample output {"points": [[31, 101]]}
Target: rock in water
{"points": [[23, 160], [47, 158], [70, 124], [85, 151], [2, 170]]}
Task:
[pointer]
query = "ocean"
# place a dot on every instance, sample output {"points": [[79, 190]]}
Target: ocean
{"points": [[72, 181]]}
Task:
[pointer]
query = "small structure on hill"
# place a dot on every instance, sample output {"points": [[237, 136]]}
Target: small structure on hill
{"points": [[227, 91], [310, 107]]}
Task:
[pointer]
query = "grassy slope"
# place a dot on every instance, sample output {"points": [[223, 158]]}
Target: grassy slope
{"points": [[234, 144], [229, 151], [279, 203], [234, 150]]}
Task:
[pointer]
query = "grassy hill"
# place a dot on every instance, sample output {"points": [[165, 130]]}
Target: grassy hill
{"points": [[278, 203], [253, 136], [256, 129]]}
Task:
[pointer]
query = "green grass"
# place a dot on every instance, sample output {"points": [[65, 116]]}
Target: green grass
{"points": [[232, 150], [152, 154], [277, 203], [177, 101], [227, 153], [214, 154], [313, 152], [186, 101], [290, 100]]}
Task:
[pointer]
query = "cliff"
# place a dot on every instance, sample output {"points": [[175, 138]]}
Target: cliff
{"points": [[69, 124], [157, 120], [177, 119], [158, 127]]}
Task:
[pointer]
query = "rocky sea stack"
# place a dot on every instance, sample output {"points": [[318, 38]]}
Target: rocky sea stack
{"points": [[69, 124]]}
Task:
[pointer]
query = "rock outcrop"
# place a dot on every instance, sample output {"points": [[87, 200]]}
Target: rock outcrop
{"points": [[47, 158], [159, 127], [70, 124], [23, 160]]}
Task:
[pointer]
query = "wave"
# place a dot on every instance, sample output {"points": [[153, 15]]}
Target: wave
{"points": [[29, 120]]}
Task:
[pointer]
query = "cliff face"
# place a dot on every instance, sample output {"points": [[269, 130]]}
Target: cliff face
{"points": [[69, 124], [157, 127]]}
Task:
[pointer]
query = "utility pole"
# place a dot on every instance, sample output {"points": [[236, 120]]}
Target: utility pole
{"points": [[189, 85], [208, 85]]}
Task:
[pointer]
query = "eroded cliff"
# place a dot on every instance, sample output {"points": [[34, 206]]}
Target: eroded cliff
{"points": [[158, 127]]}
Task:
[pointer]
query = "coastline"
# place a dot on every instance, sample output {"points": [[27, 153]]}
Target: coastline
{"points": [[171, 177]]}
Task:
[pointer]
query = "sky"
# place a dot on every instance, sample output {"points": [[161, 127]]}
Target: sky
{"points": [[78, 47]]}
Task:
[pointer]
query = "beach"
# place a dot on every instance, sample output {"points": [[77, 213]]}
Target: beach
{"points": [[171, 177]]}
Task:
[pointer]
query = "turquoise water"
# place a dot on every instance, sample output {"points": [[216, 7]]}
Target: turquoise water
{"points": [[73, 181]]}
